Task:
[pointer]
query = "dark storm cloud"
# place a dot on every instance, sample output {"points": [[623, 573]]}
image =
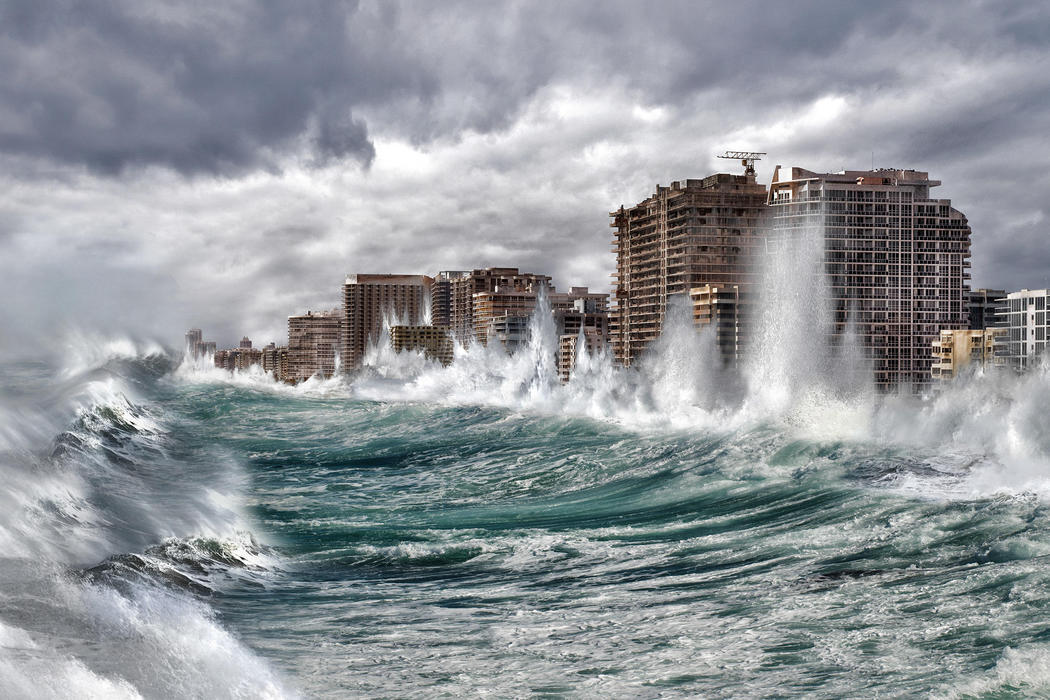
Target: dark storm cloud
{"points": [[208, 87], [216, 146]]}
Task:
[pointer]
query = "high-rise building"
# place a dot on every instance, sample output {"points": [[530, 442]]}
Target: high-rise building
{"points": [[1025, 321], [246, 344], [441, 297], [193, 337], [692, 233], [896, 260], [954, 350], [313, 344], [984, 305], [463, 288], [371, 300], [434, 341], [727, 309]]}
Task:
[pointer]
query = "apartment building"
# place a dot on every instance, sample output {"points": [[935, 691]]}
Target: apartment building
{"points": [[984, 306], [434, 342], [369, 301], [895, 259], [956, 350], [1025, 322], [728, 310], [313, 344], [464, 286], [689, 234]]}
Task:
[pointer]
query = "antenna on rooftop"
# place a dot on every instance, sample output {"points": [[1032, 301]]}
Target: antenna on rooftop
{"points": [[746, 158]]}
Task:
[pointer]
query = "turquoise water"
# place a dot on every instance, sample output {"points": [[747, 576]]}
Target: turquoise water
{"points": [[175, 531]]}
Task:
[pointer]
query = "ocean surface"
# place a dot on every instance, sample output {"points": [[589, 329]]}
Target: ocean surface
{"points": [[171, 530]]}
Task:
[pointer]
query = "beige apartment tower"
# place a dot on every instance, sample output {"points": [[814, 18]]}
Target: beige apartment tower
{"points": [[689, 234], [896, 260], [313, 343], [954, 350], [371, 300]]}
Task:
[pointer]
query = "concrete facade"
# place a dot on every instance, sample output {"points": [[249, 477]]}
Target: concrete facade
{"points": [[371, 300], [729, 311], [955, 350], [434, 341], [895, 258], [464, 288], [313, 344], [1025, 322], [984, 306], [692, 233]]}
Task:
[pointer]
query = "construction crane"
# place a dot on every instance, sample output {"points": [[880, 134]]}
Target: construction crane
{"points": [[746, 158]]}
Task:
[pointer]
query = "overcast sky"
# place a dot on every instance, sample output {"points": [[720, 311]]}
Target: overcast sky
{"points": [[224, 165]]}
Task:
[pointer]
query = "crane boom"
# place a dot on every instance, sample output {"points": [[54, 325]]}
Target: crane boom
{"points": [[746, 158]]}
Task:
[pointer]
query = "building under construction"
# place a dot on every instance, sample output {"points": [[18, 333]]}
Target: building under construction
{"points": [[687, 235], [896, 260]]}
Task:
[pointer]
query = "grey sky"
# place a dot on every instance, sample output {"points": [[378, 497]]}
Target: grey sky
{"points": [[174, 164]]}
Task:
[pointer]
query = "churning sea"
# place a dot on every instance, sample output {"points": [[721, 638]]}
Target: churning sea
{"points": [[172, 530]]}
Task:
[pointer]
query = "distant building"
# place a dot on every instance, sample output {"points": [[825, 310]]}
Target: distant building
{"points": [[369, 300], [313, 344], [441, 297], [246, 344], [465, 286], [434, 341], [690, 234], [505, 315], [1025, 323], [569, 347], [237, 358], [954, 350], [897, 261], [275, 361], [196, 346], [727, 309], [984, 306], [193, 337]]}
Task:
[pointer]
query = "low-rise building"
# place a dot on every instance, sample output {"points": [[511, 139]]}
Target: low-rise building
{"points": [[1025, 321], [569, 346], [434, 341], [956, 349]]}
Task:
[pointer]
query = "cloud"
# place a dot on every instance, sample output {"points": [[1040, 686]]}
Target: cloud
{"points": [[209, 157]]}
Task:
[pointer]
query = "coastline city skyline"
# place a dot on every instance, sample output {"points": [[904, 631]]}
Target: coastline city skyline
{"points": [[894, 265]]}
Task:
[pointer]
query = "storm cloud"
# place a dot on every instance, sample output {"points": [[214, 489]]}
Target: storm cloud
{"points": [[223, 165]]}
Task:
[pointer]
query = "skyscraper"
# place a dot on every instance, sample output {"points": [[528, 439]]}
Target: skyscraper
{"points": [[369, 300], [896, 260], [690, 234], [313, 342]]}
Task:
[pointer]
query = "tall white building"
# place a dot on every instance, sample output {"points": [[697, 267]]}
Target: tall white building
{"points": [[1025, 321]]}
